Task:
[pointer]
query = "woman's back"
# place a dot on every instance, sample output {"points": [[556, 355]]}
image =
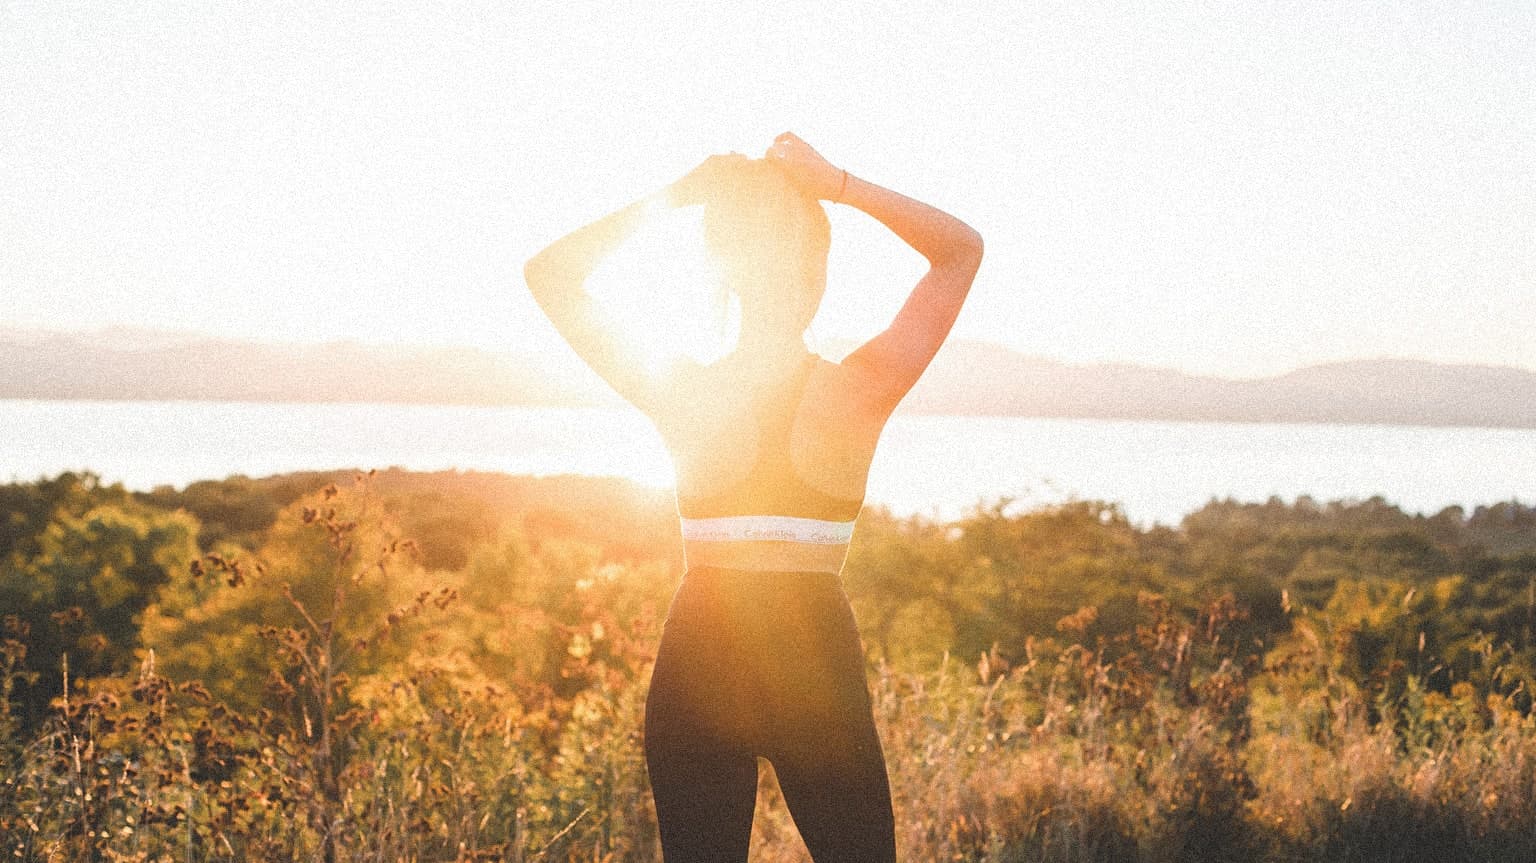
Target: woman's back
{"points": [[793, 438]]}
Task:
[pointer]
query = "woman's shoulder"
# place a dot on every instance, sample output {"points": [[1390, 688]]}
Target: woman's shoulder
{"points": [[691, 390]]}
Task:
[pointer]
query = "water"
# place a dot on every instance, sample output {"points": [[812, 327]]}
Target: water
{"points": [[937, 465]]}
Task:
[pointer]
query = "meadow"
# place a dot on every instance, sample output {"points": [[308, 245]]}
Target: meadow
{"points": [[452, 667]]}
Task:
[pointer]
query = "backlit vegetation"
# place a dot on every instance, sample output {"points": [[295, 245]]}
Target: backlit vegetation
{"points": [[431, 667]]}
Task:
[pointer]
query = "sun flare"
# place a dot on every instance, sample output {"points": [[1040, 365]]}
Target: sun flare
{"points": [[663, 294]]}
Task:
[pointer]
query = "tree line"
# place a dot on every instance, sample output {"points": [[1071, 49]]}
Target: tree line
{"points": [[301, 639]]}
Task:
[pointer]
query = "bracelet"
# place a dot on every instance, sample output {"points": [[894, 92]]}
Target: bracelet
{"points": [[843, 187]]}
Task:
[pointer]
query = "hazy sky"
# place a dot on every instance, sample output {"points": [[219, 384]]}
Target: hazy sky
{"points": [[1236, 188]]}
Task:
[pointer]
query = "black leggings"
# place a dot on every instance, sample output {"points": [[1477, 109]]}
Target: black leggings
{"points": [[764, 664]]}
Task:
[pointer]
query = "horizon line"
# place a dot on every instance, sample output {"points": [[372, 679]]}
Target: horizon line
{"points": [[38, 333]]}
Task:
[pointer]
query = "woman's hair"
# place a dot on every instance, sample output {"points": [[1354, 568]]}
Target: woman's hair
{"points": [[759, 221]]}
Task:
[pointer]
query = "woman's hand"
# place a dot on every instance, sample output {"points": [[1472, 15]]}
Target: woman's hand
{"points": [[806, 167], [699, 184]]}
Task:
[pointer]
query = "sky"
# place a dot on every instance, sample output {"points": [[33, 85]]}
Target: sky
{"points": [[1234, 189]]}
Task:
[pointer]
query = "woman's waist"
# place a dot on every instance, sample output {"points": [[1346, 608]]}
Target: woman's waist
{"points": [[766, 543], [767, 528]]}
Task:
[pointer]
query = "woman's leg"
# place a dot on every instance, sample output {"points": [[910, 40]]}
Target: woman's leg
{"points": [[703, 774], [704, 799], [841, 802], [829, 764]]}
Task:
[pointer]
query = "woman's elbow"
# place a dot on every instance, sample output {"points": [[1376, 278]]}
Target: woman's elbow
{"points": [[974, 246], [967, 250], [960, 250], [538, 273]]}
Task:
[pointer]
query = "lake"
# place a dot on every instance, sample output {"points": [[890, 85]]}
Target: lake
{"points": [[939, 465]]}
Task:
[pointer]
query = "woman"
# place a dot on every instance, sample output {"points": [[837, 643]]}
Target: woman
{"points": [[772, 446]]}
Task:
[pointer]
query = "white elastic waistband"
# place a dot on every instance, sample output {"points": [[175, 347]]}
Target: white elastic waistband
{"points": [[781, 528]]}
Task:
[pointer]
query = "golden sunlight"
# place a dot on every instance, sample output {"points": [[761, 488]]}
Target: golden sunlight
{"points": [[662, 292]]}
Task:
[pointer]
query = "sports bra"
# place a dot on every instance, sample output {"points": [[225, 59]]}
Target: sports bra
{"points": [[771, 506]]}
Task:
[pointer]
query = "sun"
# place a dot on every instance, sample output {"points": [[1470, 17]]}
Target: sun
{"points": [[662, 294]]}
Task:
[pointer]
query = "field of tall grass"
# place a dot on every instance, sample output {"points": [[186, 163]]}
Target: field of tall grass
{"points": [[322, 691]]}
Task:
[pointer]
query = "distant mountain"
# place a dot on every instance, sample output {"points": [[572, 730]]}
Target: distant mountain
{"points": [[974, 378], [970, 378], [145, 365]]}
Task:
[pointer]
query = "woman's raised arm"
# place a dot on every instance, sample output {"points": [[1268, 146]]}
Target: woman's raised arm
{"points": [[557, 278], [897, 357]]}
